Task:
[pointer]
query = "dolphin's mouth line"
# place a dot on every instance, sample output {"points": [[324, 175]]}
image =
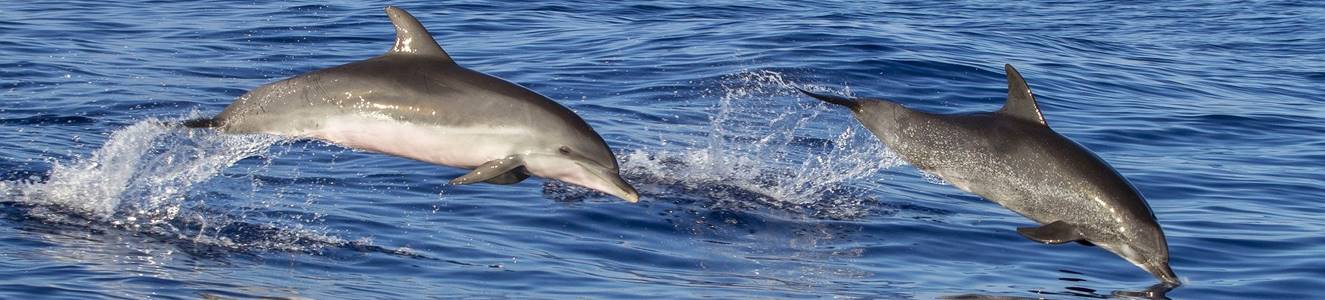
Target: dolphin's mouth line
{"points": [[629, 191], [595, 174]]}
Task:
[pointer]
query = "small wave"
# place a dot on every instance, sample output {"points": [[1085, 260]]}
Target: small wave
{"points": [[48, 119]]}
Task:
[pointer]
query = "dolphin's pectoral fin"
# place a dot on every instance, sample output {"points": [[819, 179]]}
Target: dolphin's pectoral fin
{"points": [[512, 177], [1057, 232], [493, 171]]}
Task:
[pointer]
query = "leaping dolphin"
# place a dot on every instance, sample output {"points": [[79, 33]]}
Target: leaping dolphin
{"points": [[415, 102], [1013, 158]]}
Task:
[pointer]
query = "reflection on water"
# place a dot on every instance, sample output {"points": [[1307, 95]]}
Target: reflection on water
{"points": [[1157, 291]]}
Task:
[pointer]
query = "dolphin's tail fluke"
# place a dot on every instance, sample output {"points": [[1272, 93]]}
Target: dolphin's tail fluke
{"points": [[843, 101], [201, 123]]}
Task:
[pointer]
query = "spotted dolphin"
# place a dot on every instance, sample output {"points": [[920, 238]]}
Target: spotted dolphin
{"points": [[414, 101], [1013, 158]]}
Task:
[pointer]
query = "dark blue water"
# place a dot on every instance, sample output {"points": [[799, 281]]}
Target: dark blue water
{"points": [[1214, 110]]}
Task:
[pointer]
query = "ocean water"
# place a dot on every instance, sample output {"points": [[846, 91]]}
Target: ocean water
{"points": [[1212, 109]]}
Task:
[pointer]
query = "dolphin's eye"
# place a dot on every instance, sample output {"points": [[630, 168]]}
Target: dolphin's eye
{"points": [[564, 150]]}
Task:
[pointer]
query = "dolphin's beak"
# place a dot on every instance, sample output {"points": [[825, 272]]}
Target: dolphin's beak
{"points": [[609, 181], [1164, 273], [624, 190]]}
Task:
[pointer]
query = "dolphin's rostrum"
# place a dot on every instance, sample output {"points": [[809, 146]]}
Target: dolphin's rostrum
{"points": [[1013, 158], [415, 102]]}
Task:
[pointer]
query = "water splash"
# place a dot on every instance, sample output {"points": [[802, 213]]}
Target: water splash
{"points": [[756, 149], [142, 173], [141, 181]]}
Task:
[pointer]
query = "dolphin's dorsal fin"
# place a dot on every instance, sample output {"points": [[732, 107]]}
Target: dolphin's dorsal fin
{"points": [[411, 37], [1021, 103]]}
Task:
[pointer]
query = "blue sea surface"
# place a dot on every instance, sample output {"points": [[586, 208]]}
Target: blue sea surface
{"points": [[1213, 109]]}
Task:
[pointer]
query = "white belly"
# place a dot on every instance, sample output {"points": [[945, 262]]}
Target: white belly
{"points": [[463, 147]]}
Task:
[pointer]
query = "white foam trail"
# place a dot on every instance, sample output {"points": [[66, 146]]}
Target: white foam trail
{"points": [[140, 178], [142, 172], [759, 146]]}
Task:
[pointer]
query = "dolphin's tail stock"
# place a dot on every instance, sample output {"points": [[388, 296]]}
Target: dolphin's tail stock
{"points": [[843, 101], [201, 123]]}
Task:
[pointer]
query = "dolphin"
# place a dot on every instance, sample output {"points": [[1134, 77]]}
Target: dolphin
{"points": [[1013, 158], [416, 102]]}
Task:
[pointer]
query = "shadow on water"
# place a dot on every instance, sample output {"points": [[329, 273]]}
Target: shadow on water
{"points": [[1157, 291], [199, 234]]}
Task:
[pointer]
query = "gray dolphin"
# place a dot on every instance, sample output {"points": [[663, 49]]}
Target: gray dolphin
{"points": [[1013, 158], [415, 102]]}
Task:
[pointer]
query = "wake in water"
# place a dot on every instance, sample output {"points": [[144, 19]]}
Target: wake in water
{"points": [[141, 174], [757, 149], [142, 181]]}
